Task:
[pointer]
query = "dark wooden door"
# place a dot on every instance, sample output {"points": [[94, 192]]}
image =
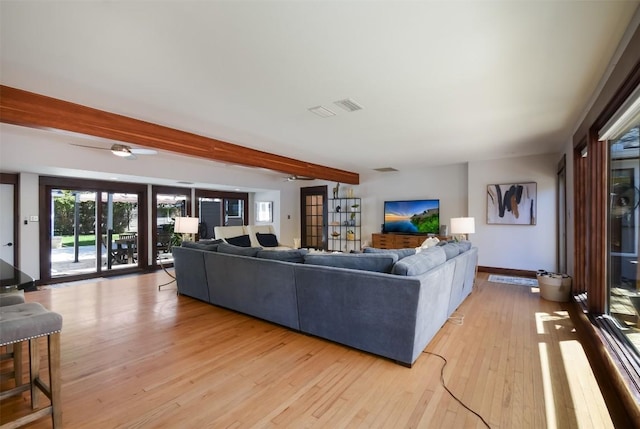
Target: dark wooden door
{"points": [[313, 215]]}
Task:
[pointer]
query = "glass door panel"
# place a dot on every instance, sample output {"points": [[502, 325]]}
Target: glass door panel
{"points": [[314, 227], [169, 206], [624, 232], [73, 241], [119, 230]]}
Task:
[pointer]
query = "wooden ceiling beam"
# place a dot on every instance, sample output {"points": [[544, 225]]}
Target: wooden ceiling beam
{"points": [[28, 109]]}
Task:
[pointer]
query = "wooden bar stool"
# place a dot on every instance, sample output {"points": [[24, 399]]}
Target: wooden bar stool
{"points": [[29, 322]]}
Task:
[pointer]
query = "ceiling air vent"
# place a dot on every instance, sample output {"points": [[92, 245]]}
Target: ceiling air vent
{"points": [[385, 169], [323, 112], [349, 105]]}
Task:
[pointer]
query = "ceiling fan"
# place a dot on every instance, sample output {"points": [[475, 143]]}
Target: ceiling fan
{"points": [[123, 151], [296, 177]]}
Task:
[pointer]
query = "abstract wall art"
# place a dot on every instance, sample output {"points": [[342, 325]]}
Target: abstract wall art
{"points": [[512, 204]]}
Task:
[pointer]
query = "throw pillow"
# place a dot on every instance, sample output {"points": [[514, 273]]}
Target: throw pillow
{"points": [[238, 250], [241, 240], [294, 255], [430, 242], [267, 240]]}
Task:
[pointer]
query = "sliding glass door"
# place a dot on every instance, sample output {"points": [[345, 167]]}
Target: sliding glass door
{"points": [[92, 231]]}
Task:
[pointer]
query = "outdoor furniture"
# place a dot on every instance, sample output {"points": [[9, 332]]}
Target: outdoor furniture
{"points": [[126, 248], [29, 322]]}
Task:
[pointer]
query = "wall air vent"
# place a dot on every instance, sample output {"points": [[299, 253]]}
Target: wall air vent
{"points": [[348, 104], [323, 112], [385, 169]]}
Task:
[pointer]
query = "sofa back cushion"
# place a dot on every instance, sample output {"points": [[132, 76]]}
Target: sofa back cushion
{"points": [[267, 240], [208, 245], [293, 255], [378, 262], [238, 250], [420, 262], [241, 240], [451, 250], [464, 245], [402, 253]]}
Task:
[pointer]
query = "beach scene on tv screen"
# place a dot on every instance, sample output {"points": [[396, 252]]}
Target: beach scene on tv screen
{"points": [[421, 217]]}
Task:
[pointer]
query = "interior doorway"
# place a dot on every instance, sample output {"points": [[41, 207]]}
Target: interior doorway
{"points": [[313, 215], [9, 218]]}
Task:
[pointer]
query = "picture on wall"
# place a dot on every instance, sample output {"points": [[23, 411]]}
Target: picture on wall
{"points": [[512, 204]]}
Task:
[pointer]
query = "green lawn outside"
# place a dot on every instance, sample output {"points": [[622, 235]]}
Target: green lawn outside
{"points": [[83, 240]]}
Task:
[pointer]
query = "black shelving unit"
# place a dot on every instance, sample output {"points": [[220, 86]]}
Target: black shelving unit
{"points": [[344, 218]]}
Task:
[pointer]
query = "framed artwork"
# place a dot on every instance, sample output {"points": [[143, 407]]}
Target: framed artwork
{"points": [[264, 211], [512, 203]]}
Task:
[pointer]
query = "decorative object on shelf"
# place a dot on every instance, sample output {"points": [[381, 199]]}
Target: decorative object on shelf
{"points": [[351, 235], [354, 207], [463, 226], [512, 204], [350, 193], [336, 189], [335, 234], [338, 208]]}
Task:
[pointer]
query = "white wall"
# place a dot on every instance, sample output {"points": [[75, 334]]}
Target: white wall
{"points": [[461, 189], [522, 247], [28, 235]]}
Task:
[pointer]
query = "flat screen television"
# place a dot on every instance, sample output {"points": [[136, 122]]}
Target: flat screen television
{"points": [[412, 217]]}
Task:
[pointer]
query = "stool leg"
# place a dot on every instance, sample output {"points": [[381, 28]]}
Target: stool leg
{"points": [[55, 379], [17, 363], [34, 370]]}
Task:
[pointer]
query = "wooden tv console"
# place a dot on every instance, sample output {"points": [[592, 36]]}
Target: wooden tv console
{"points": [[399, 241]]}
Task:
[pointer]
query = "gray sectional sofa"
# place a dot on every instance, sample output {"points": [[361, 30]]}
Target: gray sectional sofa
{"points": [[387, 302]]}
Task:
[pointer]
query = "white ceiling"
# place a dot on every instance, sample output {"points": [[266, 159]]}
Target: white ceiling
{"points": [[440, 82]]}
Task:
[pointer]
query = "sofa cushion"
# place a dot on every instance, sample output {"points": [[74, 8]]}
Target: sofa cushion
{"points": [[267, 240], [465, 245], [241, 240], [402, 253], [379, 262], [451, 250], [209, 245], [420, 262], [293, 255], [238, 250]]}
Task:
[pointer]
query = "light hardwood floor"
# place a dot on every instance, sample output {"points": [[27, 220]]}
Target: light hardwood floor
{"points": [[134, 357]]}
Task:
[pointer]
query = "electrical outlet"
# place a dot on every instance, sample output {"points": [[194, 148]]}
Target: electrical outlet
{"points": [[33, 218]]}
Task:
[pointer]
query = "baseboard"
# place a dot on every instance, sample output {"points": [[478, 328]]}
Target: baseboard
{"points": [[508, 272]]}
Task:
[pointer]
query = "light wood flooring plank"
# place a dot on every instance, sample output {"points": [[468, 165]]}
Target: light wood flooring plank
{"points": [[136, 357]]}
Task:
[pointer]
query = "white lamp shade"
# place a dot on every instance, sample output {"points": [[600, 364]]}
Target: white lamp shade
{"points": [[186, 225], [463, 225]]}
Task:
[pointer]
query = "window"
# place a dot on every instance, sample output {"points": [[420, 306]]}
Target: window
{"points": [[621, 134]]}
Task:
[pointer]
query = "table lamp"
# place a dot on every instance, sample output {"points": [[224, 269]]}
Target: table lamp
{"points": [[186, 225], [462, 226]]}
